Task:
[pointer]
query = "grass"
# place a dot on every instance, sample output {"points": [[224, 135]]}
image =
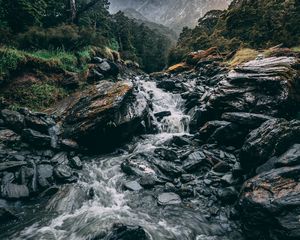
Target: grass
{"points": [[243, 55], [296, 49], [38, 96], [9, 60]]}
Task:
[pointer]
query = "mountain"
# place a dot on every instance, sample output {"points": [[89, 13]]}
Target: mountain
{"points": [[159, 28], [175, 14]]}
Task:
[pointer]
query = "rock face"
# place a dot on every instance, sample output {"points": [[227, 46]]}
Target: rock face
{"points": [[106, 115], [270, 205], [269, 86], [272, 138]]}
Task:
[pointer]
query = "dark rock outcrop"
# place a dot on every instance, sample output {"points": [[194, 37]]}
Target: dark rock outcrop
{"points": [[106, 115], [270, 205], [272, 138]]}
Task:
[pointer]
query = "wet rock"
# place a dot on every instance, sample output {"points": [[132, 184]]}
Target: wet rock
{"points": [[14, 192], [60, 158], [270, 204], [36, 138], [64, 173], [228, 195], [289, 158], [196, 161], [147, 182], [6, 215], [272, 138], [50, 191], [210, 127], [250, 120], [181, 141], [69, 144], [185, 178], [13, 119], [122, 232], [76, 163], [133, 186], [106, 115], [166, 154], [168, 199], [168, 85], [221, 167], [11, 165], [161, 115], [39, 122], [170, 169], [8, 136], [67, 199], [44, 175], [267, 86]]}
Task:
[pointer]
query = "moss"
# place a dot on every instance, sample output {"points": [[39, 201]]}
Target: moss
{"points": [[243, 55], [9, 60], [296, 49], [37, 96]]}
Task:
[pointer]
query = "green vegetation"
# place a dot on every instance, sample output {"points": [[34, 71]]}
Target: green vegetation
{"points": [[38, 96], [243, 55], [72, 26], [255, 24]]}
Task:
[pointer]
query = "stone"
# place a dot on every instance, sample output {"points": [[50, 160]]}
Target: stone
{"points": [[39, 122], [272, 138], [106, 115], [64, 173], [11, 165], [195, 161], [250, 120], [14, 192], [290, 157], [166, 154], [44, 175], [133, 186], [228, 195], [36, 138], [69, 144], [8, 136], [76, 163], [221, 167], [13, 119], [6, 215], [147, 182], [269, 204], [124, 232], [60, 158], [168, 199]]}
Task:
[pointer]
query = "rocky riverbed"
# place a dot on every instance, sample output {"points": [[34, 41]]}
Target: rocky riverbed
{"points": [[208, 153]]}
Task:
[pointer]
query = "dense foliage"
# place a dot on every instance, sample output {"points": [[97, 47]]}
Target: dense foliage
{"points": [[255, 23], [72, 25]]}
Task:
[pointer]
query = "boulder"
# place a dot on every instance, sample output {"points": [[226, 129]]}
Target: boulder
{"points": [[272, 138], [6, 215], [290, 157], [39, 121], [11, 165], [45, 175], [133, 186], [269, 86], [270, 205], [123, 232], [14, 192], [13, 119], [8, 136], [196, 161], [36, 138], [168, 199], [64, 173], [249, 120], [106, 115], [76, 163]]}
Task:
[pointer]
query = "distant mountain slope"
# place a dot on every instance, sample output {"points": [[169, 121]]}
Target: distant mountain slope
{"points": [[161, 29], [175, 14]]}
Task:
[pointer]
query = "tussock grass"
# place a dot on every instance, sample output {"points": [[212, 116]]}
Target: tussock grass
{"points": [[243, 55]]}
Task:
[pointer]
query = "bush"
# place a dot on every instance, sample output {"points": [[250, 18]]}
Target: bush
{"points": [[67, 37], [9, 60]]}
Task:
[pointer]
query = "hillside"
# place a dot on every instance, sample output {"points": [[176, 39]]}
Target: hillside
{"points": [[174, 14], [257, 24]]}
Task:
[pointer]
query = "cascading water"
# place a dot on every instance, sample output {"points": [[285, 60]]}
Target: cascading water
{"points": [[110, 204]]}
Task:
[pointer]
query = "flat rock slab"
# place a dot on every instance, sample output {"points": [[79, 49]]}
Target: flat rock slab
{"points": [[5, 166], [168, 199], [14, 191], [133, 186]]}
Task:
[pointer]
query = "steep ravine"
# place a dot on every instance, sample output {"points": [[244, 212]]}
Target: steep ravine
{"points": [[199, 152]]}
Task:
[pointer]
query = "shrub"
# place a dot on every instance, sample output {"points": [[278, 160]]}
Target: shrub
{"points": [[9, 60]]}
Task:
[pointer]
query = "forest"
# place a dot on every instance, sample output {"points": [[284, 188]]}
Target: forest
{"points": [[74, 25]]}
